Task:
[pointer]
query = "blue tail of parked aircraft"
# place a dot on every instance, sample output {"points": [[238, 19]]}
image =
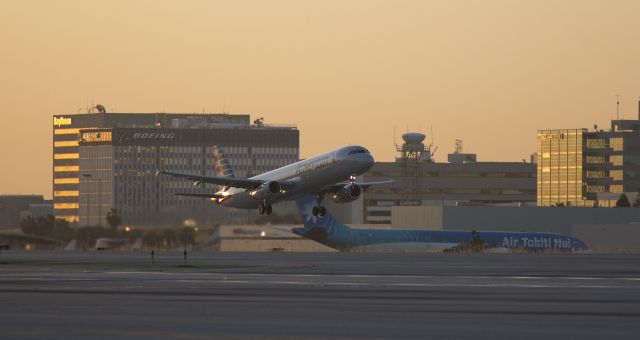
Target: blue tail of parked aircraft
{"points": [[331, 232], [324, 229]]}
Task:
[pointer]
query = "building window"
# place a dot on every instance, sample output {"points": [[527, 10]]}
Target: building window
{"points": [[616, 160], [617, 144], [596, 144]]}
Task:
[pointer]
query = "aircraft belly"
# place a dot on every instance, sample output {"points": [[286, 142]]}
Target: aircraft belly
{"points": [[241, 201], [498, 250], [429, 247], [311, 185]]}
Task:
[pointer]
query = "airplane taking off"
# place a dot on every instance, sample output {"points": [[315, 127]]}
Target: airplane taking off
{"points": [[330, 174], [330, 232]]}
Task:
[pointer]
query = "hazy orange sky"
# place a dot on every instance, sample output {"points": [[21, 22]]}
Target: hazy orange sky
{"points": [[487, 72]]}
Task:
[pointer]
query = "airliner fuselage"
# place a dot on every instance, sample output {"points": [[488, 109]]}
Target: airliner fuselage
{"points": [[329, 174], [311, 175]]}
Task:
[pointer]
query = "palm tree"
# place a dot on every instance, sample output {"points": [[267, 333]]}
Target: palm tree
{"points": [[623, 201], [113, 218]]}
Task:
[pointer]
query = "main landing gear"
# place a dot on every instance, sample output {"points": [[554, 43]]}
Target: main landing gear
{"points": [[265, 208], [319, 210]]}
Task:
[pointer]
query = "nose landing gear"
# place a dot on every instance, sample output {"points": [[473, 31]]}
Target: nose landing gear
{"points": [[318, 211]]}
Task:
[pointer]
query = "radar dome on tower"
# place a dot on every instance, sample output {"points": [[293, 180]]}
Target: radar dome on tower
{"points": [[413, 148], [413, 137]]}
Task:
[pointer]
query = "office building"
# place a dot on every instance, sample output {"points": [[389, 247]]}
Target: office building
{"points": [[108, 160], [578, 167], [561, 167]]}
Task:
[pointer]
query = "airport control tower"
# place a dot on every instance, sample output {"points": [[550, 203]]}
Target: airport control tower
{"points": [[413, 149], [412, 155]]}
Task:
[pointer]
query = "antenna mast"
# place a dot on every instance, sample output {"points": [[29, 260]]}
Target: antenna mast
{"points": [[394, 137], [618, 107], [431, 135]]}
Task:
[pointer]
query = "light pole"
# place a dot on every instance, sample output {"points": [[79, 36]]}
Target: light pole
{"points": [[100, 202], [88, 209]]}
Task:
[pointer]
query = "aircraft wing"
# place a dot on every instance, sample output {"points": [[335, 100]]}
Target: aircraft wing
{"points": [[280, 228], [9, 236], [244, 183], [200, 195], [366, 185]]}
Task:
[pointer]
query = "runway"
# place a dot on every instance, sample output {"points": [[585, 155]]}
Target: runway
{"points": [[318, 296]]}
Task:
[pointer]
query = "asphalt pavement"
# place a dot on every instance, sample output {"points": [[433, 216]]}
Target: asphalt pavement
{"points": [[73, 295]]}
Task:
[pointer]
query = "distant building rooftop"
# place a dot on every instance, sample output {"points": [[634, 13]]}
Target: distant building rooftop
{"points": [[162, 120]]}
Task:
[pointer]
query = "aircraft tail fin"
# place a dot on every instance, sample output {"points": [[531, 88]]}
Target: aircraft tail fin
{"points": [[136, 246], [221, 164], [72, 245], [324, 229]]}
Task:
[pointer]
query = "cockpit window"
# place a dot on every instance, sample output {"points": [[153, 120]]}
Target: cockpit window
{"points": [[352, 152]]}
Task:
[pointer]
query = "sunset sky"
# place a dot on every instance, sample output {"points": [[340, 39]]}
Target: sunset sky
{"points": [[346, 72]]}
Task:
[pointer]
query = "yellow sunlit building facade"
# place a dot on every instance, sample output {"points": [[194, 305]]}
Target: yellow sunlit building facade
{"points": [[560, 168], [582, 168]]}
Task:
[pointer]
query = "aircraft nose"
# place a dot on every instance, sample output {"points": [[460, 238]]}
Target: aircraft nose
{"points": [[360, 158], [365, 161], [369, 159], [579, 244]]}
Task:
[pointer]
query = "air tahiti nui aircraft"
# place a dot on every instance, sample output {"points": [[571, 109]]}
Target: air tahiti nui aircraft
{"points": [[331, 232]]}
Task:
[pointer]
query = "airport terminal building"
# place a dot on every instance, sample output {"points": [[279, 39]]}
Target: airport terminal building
{"points": [[419, 181], [108, 160], [13, 208]]}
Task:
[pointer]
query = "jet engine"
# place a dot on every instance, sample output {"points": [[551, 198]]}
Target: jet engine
{"points": [[348, 193], [266, 190]]}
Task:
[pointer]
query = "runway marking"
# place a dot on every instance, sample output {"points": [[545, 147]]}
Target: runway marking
{"points": [[385, 276], [352, 280], [507, 285], [225, 276], [573, 277], [420, 284]]}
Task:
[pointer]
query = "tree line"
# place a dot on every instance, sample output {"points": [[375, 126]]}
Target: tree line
{"points": [[58, 229]]}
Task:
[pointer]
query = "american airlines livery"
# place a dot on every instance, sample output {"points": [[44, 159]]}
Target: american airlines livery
{"points": [[330, 174], [330, 232]]}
